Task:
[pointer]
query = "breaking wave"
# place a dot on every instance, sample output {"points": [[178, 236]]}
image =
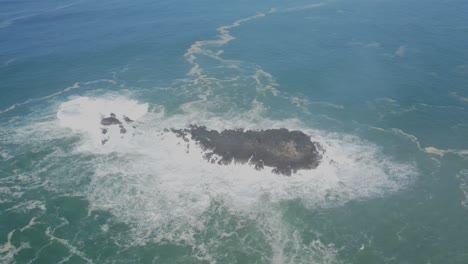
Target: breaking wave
{"points": [[166, 192], [164, 189]]}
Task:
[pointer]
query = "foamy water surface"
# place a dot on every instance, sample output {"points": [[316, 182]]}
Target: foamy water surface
{"points": [[391, 187]]}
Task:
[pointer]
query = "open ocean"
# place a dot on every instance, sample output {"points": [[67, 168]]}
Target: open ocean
{"points": [[381, 84]]}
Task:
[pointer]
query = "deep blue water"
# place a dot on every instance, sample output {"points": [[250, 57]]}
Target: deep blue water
{"points": [[382, 85]]}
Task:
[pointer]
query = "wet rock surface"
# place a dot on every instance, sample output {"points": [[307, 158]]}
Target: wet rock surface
{"points": [[112, 120], [108, 121], [281, 149], [127, 119]]}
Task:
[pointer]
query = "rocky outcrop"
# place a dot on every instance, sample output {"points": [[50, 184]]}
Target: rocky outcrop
{"points": [[111, 121], [281, 149]]}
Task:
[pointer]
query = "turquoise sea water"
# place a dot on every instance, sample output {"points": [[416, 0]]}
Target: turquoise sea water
{"points": [[382, 85]]}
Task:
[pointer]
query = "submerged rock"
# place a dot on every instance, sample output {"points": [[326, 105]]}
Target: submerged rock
{"points": [[284, 150], [108, 121], [127, 119], [122, 129]]}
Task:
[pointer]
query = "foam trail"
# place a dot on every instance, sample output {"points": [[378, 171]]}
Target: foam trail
{"points": [[224, 37], [5, 156], [302, 102], [263, 81], [443, 152], [305, 7], [73, 250], [429, 150], [8, 251], [463, 177], [31, 223], [272, 85]]}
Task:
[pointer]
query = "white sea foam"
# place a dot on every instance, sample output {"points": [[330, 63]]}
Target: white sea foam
{"points": [[28, 206], [161, 185], [84, 114], [209, 84], [443, 152], [31, 223], [435, 151], [429, 150], [304, 7], [463, 178], [5, 155], [8, 250], [7, 194], [265, 82], [410, 137], [202, 47], [72, 249]]}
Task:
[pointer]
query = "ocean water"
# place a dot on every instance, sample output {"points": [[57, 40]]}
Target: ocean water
{"points": [[381, 84]]}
